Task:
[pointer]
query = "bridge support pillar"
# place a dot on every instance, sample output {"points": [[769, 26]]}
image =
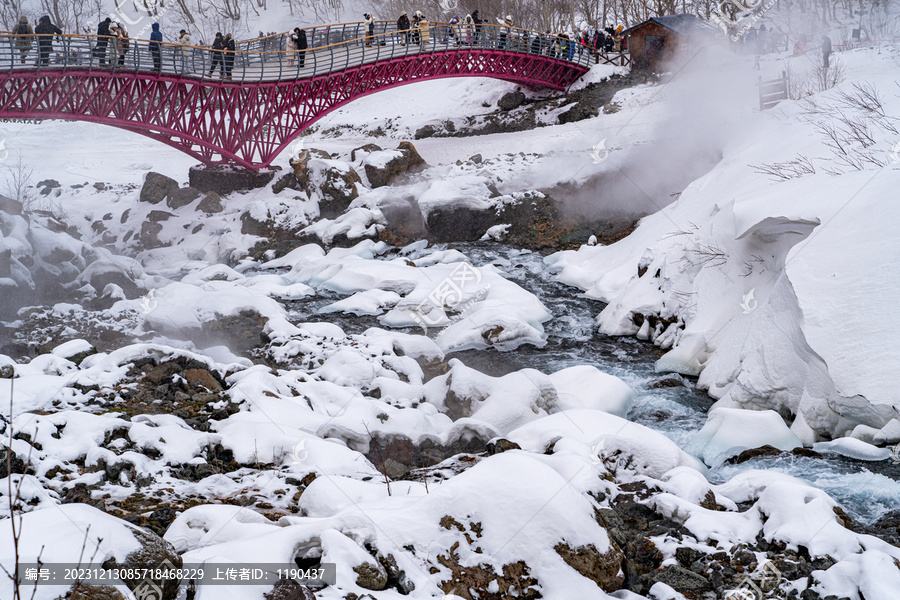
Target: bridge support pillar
{"points": [[224, 179]]}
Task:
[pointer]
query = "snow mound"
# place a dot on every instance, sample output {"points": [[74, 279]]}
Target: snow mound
{"points": [[729, 431]]}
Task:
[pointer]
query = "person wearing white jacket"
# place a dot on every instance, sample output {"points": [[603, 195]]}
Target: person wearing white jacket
{"points": [[370, 28], [505, 30]]}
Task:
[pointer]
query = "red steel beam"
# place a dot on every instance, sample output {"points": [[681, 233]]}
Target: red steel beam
{"points": [[248, 123]]}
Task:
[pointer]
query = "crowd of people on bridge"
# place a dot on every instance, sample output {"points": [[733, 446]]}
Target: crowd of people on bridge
{"points": [[473, 30], [112, 43]]}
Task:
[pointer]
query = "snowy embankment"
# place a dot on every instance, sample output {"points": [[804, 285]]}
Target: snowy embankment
{"points": [[289, 470], [779, 292]]}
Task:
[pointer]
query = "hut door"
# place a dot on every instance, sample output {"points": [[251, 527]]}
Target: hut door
{"points": [[656, 45]]}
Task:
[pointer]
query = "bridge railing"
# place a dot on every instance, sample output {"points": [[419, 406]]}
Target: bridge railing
{"points": [[330, 48]]}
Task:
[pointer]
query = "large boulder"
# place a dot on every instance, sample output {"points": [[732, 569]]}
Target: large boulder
{"points": [[532, 217], [300, 167], [182, 197], [336, 183], [511, 100], [81, 591], [79, 533], [364, 150], [224, 179], [154, 553], [8, 205], [149, 236], [383, 167], [157, 188], [603, 568], [211, 203]]}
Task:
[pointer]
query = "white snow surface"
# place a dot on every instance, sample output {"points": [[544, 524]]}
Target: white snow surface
{"points": [[778, 294]]}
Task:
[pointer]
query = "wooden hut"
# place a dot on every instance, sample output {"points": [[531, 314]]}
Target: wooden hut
{"points": [[661, 40]]}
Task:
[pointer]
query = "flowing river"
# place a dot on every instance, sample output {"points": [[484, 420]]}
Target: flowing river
{"points": [[671, 404]]}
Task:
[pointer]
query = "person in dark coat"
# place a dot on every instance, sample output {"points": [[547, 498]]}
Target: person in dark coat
{"points": [[103, 35], [826, 50], [476, 18], [403, 28], [229, 55], [218, 61], [45, 32], [301, 44], [536, 44], [155, 48]]}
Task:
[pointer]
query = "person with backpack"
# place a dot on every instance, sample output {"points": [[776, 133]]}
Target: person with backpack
{"points": [[403, 28], [229, 55], [103, 37], [24, 32], [45, 32], [155, 47], [218, 59], [565, 46]]}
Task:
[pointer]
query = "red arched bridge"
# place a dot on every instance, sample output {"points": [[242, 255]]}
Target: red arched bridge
{"points": [[244, 107]]}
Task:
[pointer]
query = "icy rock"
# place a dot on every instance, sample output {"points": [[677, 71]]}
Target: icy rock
{"points": [[889, 434], [646, 451], [729, 431], [348, 368], [211, 203], [585, 386], [681, 580], [853, 448], [503, 402], [205, 525], [154, 551], [74, 350]]}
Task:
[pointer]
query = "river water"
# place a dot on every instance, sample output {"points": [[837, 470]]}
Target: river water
{"points": [[667, 403]]}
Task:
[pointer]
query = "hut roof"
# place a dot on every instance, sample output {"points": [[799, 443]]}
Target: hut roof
{"points": [[680, 24]]}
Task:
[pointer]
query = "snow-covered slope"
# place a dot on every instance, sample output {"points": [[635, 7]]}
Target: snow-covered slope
{"points": [[778, 292]]}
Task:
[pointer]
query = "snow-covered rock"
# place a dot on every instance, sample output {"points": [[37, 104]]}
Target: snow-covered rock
{"points": [[729, 431]]}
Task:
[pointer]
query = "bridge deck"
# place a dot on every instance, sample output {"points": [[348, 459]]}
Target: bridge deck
{"points": [[265, 59]]}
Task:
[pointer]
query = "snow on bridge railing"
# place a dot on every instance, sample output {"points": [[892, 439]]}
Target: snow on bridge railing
{"points": [[330, 48]]}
